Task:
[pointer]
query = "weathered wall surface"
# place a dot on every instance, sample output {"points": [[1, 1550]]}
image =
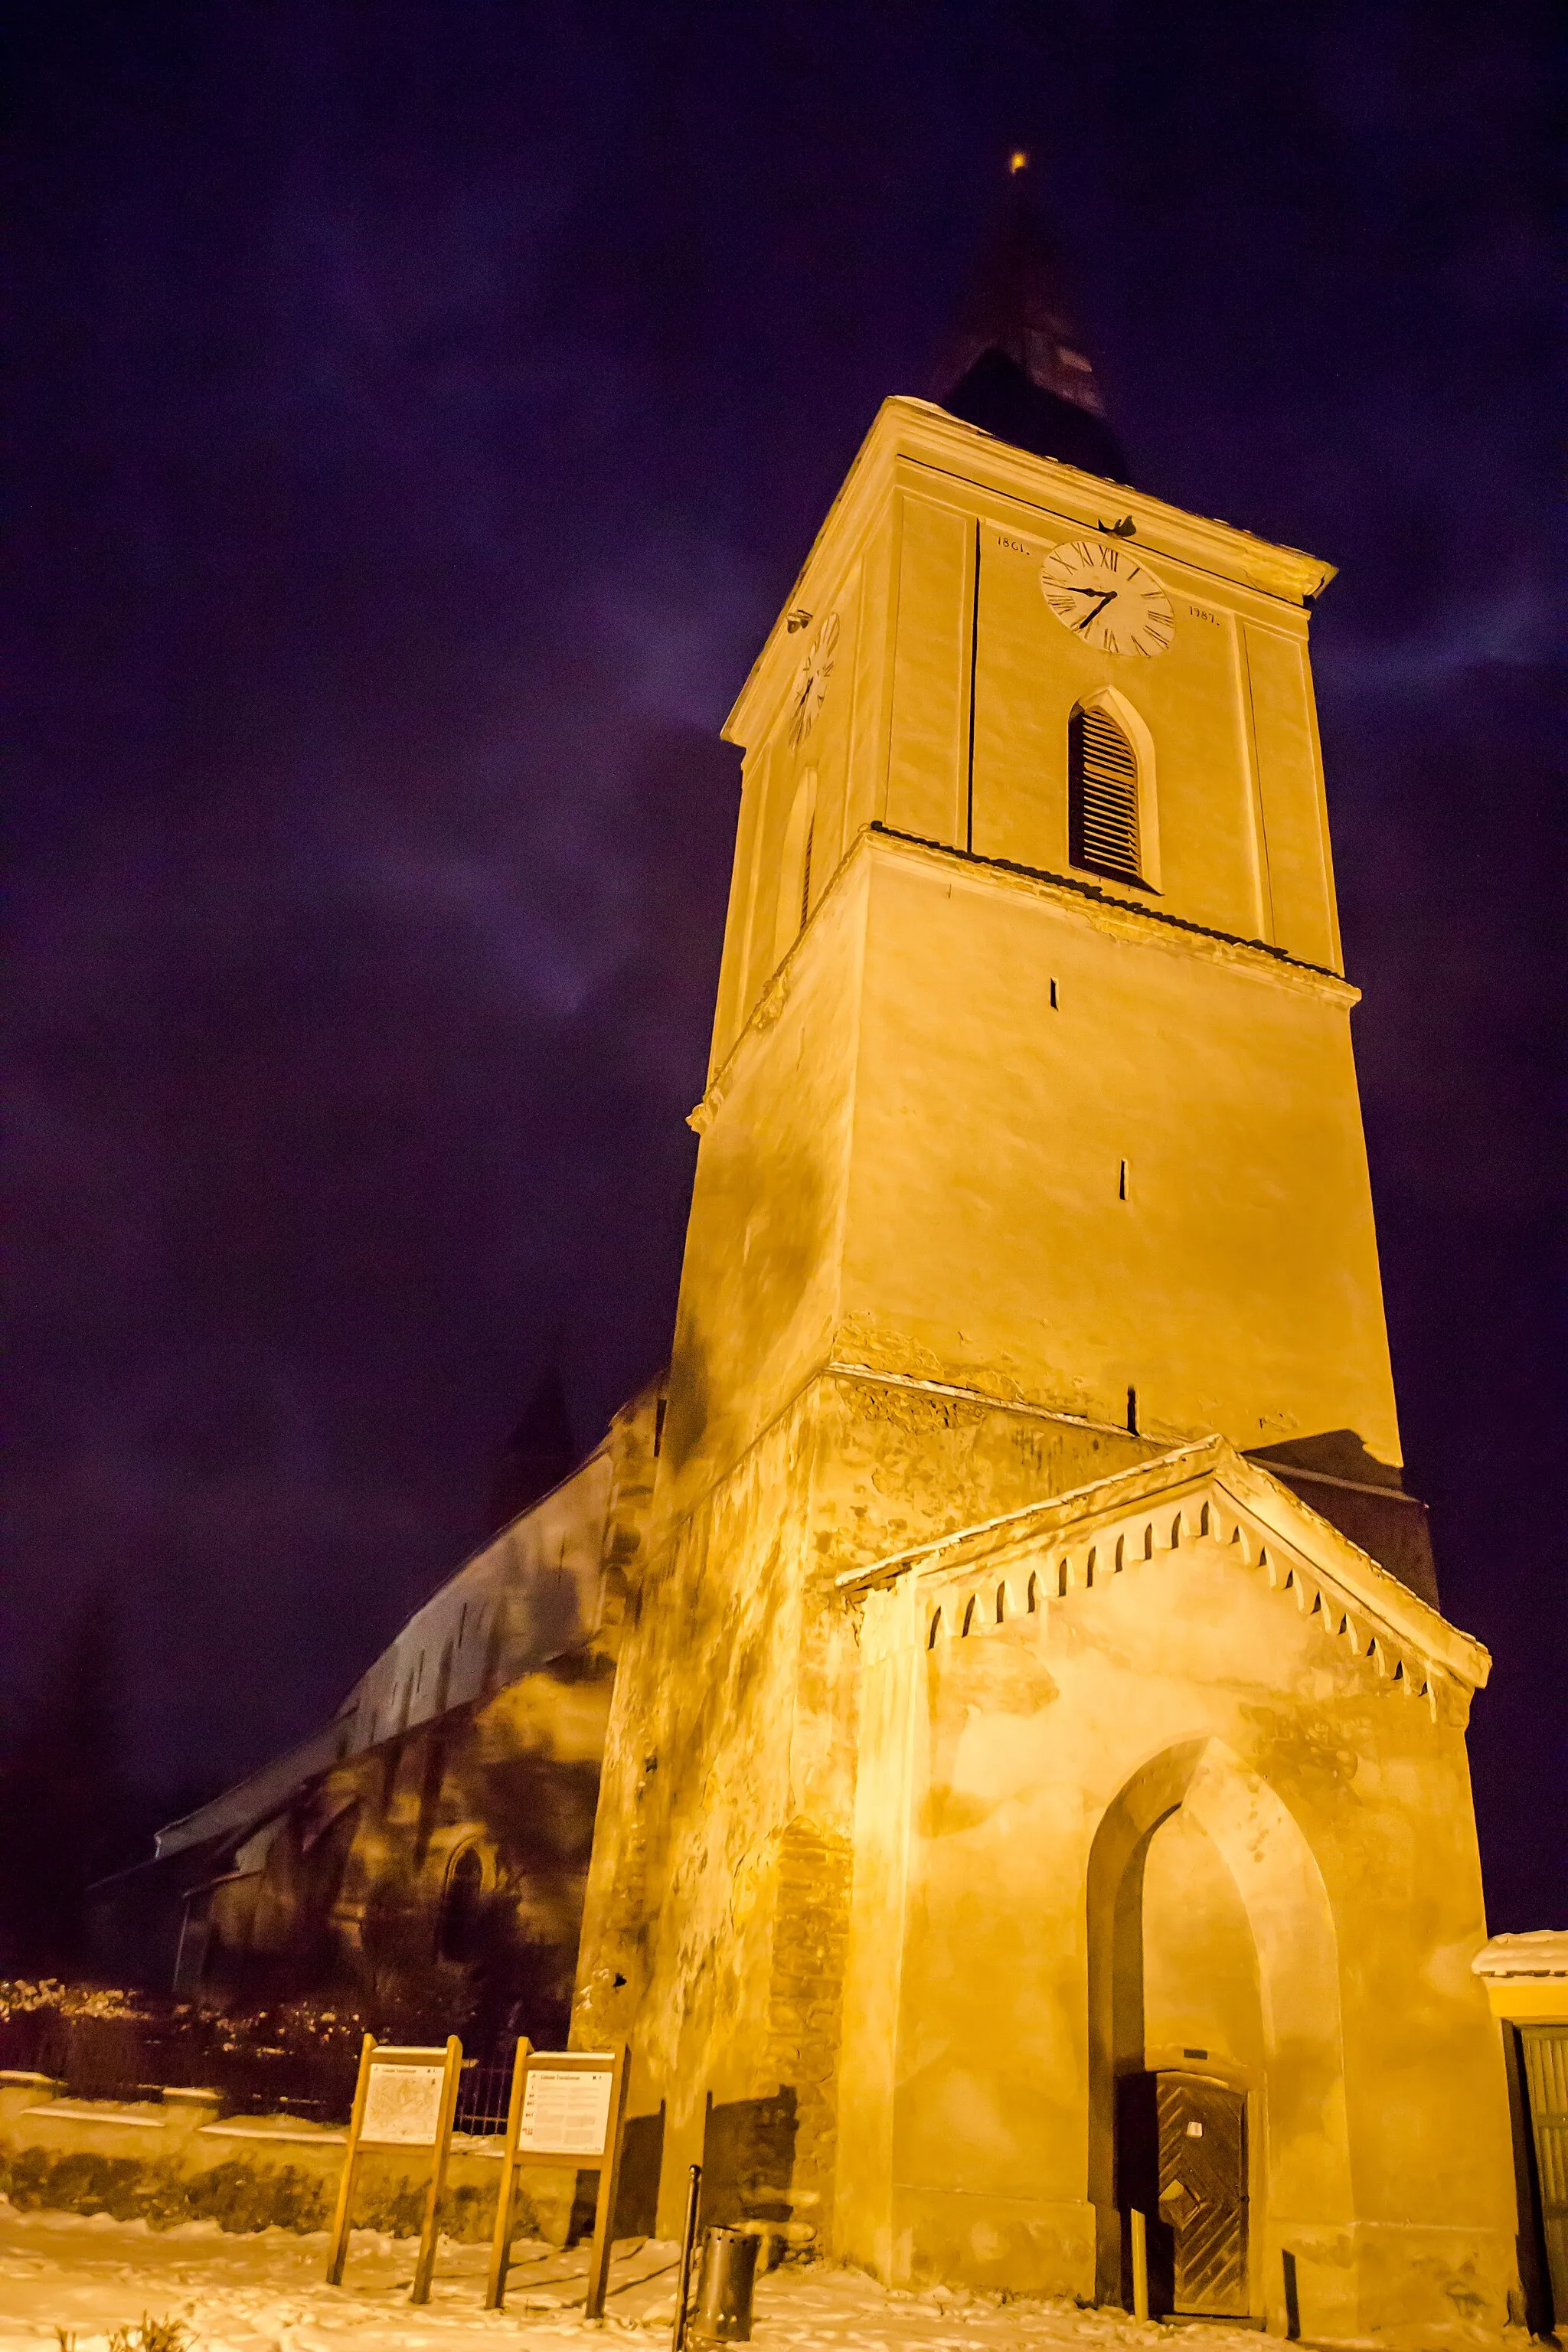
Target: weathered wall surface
{"points": [[759, 1295], [718, 1903], [698, 1796], [1027, 1791], [178, 2161], [1157, 1183], [1009, 1178], [351, 1891]]}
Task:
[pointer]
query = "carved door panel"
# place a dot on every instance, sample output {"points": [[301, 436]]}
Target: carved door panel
{"points": [[1203, 2191], [1546, 2078]]}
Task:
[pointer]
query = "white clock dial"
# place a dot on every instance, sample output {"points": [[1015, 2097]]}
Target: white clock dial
{"points": [[811, 681], [1101, 594]]}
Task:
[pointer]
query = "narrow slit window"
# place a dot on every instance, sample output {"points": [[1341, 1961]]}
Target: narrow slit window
{"points": [[1102, 797]]}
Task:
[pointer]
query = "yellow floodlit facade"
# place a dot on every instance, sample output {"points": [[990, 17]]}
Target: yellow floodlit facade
{"points": [[1036, 1784]]}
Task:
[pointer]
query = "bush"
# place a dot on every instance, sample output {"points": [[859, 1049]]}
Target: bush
{"points": [[239, 2196], [79, 2182], [242, 2197], [152, 2335]]}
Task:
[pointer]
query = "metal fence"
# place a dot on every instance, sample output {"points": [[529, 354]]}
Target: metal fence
{"points": [[139, 2058], [482, 2097], [136, 2058]]}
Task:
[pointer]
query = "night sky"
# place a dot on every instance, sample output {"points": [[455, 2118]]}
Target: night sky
{"points": [[423, 412]]}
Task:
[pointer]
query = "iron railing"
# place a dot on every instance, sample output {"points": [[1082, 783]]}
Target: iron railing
{"points": [[136, 2059]]}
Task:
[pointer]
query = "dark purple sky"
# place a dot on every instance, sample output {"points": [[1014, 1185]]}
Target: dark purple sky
{"points": [[423, 411]]}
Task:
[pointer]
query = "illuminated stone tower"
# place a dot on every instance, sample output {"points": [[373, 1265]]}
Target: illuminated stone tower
{"points": [[1031, 1192]]}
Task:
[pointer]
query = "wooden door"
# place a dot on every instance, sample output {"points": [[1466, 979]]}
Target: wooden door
{"points": [[1202, 2192], [1546, 2079]]}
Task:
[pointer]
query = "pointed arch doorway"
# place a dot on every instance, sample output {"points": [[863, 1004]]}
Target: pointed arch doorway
{"points": [[1213, 1963]]}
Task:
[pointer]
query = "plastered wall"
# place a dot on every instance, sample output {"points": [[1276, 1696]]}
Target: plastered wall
{"points": [[1092, 1153], [1148, 1814], [1010, 1179]]}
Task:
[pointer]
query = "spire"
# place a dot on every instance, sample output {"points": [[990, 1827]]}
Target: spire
{"points": [[1015, 364], [539, 1453]]}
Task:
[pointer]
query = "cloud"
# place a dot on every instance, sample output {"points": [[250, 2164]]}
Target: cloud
{"points": [[1514, 629]]}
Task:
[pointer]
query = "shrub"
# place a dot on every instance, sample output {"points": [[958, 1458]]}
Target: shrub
{"points": [[152, 2335], [242, 2197]]}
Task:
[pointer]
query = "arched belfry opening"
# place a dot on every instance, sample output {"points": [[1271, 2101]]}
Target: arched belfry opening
{"points": [[1104, 819]]}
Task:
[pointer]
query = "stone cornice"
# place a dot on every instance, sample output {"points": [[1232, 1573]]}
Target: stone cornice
{"points": [[1132, 917], [923, 437], [843, 1367], [1122, 917], [1206, 1492]]}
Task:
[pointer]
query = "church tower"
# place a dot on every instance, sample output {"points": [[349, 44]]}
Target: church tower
{"points": [[1031, 1179]]}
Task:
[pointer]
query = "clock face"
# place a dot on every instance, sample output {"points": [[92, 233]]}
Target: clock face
{"points": [[1101, 596], [811, 681]]}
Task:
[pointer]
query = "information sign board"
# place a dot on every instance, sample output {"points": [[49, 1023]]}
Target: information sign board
{"points": [[403, 2106], [405, 2098], [567, 2107]]}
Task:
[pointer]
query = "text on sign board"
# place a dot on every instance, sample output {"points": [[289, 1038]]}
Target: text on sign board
{"points": [[565, 2111]]}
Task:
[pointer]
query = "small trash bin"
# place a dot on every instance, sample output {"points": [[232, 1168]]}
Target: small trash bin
{"points": [[723, 2314]]}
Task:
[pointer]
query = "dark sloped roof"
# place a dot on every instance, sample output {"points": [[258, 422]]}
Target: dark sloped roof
{"points": [[539, 1453], [1016, 363]]}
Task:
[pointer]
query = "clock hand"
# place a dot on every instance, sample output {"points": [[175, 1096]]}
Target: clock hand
{"points": [[1108, 598]]}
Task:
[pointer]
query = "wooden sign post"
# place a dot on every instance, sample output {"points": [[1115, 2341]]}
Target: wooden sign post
{"points": [[403, 2098], [567, 2107]]}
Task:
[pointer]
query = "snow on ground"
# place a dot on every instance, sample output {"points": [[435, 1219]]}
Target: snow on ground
{"points": [[69, 2279]]}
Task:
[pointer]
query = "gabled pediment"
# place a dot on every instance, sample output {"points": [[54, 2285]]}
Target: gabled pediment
{"points": [[1206, 1495]]}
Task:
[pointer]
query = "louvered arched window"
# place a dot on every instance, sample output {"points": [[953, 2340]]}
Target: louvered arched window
{"points": [[1102, 797]]}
